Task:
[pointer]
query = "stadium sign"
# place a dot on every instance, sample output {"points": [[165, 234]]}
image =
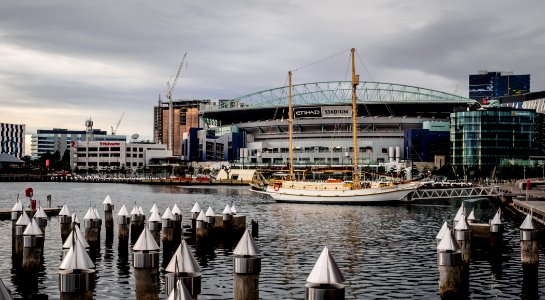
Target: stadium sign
{"points": [[322, 112]]}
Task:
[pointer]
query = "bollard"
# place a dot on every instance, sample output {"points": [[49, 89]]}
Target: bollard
{"points": [[179, 292], [135, 224], [65, 219], [154, 208], [195, 211], [49, 201], [325, 280], [246, 269], [16, 212], [227, 218], [155, 225], [75, 234], [529, 243], [462, 234], [239, 223], [177, 224], [33, 240], [75, 220], [76, 273], [496, 230], [168, 220], [201, 226], [99, 219], [233, 210], [471, 218], [184, 267], [20, 227], [108, 215], [449, 261], [123, 227], [255, 228], [146, 266], [91, 225], [41, 219], [458, 216], [442, 232], [209, 217]]}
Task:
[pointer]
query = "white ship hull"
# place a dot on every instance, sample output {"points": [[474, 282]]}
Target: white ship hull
{"points": [[377, 195]]}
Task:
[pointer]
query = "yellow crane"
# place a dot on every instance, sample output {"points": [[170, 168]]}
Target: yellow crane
{"points": [[170, 88]]}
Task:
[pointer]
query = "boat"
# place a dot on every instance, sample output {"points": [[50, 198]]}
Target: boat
{"points": [[335, 191]]}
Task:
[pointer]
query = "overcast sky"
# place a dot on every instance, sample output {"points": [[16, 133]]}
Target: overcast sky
{"points": [[63, 61]]}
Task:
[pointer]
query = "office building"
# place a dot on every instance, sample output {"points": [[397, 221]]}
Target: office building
{"points": [[491, 85], [12, 139]]}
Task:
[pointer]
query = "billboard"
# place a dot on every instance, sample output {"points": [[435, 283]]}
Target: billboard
{"points": [[322, 112]]}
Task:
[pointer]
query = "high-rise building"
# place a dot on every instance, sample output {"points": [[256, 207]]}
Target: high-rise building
{"points": [[490, 85], [12, 139]]}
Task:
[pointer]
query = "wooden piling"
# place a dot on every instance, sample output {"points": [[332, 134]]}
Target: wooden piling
{"points": [[146, 266], [449, 261], [529, 243], [246, 269], [255, 228], [32, 246]]}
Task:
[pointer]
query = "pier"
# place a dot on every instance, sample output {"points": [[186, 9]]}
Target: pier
{"points": [[5, 213]]}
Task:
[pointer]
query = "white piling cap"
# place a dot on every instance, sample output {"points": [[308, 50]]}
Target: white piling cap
{"points": [[154, 208], [183, 261], [79, 236], [179, 292], [233, 209], [64, 211], [497, 218], [325, 270], [528, 223], [123, 211], [176, 210], [75, 218], [145, 241], [135, 211], [18, 206], [448, 242], [77, 258], [201, 216], [471, 216], [155, 217], [23, 220], [97, 215], [246, 245], [460, 212], [209, 212], [141, 211], [227, 210], [168, 215], [40, 213], [196, 208], [442, 231], [107, 200], [90, 215], [462, 224], [33, 228]]}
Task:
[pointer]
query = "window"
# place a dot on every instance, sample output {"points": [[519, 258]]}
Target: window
{"points": [[115, 149], [384, 150]]}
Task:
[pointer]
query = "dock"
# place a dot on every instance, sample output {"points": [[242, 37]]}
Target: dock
{"points": [[523, 201], [5, 213]]}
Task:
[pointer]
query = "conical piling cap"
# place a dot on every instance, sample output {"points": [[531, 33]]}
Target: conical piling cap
{"points": [[168, 215], [201, 216], [76, 258], [79, 236], [145, 242], [18, 206], [209, 212], [528, 223], [75, 218], [462, 222], [325, 270], [90, 215], [107, 200], [97, 215], [448, 242], [176, 210], [123, 211], [23, 220], [227, 210], [40, 213], [183, 261], [459, 214], [135, 211], [154, 208], [141, 211], [442, 231], [33, 228], [246, 246], [471, 216], [497, 218], [64, 211], [196, 208], [179, 292], [233, 209], [155, 217]]}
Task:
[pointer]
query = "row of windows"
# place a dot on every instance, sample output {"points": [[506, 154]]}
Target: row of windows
{"points": [[108, 164], [110, 155]]}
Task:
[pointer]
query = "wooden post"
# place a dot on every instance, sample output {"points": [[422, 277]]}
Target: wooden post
{"points": [[20, 227], [168, 220], [325, 280], [32, 246], [496, 231], [76, 273], [155, 226], [246, 269], [108, 216], [146, 266], [184, 267], [529, 243], [449, 261], [136, 228], [123, 229], [92, 225], [255, 228], [177, 224], [195, 211], [65, 219]]}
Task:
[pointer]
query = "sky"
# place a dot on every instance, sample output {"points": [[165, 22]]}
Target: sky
{"points": [[62, 62]]}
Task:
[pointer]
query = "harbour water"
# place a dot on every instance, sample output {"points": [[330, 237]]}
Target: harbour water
{"points": [[384, 252]]}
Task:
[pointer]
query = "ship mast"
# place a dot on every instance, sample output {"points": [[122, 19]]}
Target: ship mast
{"points": [[290, 125], [355, 82]]}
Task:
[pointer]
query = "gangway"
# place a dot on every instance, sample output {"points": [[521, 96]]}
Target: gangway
{"points": [[455, 192]]}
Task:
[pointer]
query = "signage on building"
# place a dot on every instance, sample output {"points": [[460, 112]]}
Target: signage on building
{"points": [[323, 112], [110, 144]]}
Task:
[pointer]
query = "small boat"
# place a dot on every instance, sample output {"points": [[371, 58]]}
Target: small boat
{"points": [[334, 190]]}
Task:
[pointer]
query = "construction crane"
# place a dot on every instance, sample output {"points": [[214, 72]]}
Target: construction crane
{"points": [[114, 131], [170, 88]]}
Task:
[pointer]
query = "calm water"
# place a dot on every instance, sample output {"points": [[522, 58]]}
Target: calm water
{"points": [[384, 252]]}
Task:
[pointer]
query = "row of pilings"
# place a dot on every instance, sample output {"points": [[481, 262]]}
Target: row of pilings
{"points": [[166, 233], [455, 247]]}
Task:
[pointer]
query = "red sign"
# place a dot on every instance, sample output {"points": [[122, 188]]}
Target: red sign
{"points": [[73, 144], [47, 163], [110, 144], [527, 184]]}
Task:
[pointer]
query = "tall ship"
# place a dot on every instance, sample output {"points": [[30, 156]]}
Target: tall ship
{"points": [[336, 191]]}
